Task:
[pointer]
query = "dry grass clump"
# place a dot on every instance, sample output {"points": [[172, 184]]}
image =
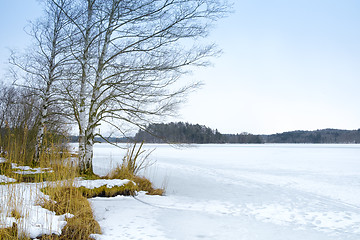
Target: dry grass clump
{"points": [[128, 189], [10, 233], [15, 214], [134, 161], [5, 168], [54, 165], [68, 199], [144, 184]]}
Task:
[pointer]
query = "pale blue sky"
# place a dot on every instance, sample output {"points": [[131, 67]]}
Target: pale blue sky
{"points": [[287, 65]]}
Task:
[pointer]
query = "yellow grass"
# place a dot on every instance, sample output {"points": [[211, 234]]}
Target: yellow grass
{"points": [[68, 199], [135, 160], [64, 197]]}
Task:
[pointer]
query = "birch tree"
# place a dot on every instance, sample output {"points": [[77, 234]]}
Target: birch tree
{"points": [[43, 65], [129, 58]]}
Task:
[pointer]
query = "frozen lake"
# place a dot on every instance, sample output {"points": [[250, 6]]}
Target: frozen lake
{"points": [[279, 192]]}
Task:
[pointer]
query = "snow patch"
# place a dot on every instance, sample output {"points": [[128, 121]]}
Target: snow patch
{"points": [[5, 179], [91, 184], [34, 220], [29, 170]]}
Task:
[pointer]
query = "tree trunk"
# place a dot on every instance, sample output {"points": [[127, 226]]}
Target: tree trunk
{"points": [[82, 127], [40, 135], [86, 155], [85, 140], [41, 130]]}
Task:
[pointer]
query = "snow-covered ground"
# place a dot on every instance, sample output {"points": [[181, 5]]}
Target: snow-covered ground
{"points": [[25, 198], [34, 220], [272, 192], [250, 192]]}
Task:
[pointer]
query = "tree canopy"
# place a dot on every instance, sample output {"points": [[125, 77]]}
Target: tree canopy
{"points": [[116, 62]]}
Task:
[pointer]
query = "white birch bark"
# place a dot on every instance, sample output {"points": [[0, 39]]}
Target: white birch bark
{"points": [[86, 165], [82, 124], [41, 130]]}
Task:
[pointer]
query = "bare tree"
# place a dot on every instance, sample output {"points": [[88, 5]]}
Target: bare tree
{"points": [[43, 65], [8, 96], [129, 57], [18, 109], [18, 118]]}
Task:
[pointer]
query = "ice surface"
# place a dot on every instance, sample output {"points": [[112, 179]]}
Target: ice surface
{"points": [[257, 192]]}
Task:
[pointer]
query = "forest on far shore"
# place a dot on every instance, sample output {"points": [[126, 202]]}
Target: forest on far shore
{"points": [[181, 132], [317, 136], [194, 133], [190, 133]]}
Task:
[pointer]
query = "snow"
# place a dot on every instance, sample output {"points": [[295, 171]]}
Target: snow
{"points": [[29, 170], [25, 198], [125, 218], [91, 184], [257, 192], [272, 192], [35, 220], [5, 179]]}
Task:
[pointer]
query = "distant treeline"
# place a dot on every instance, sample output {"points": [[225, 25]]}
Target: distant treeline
{"points": [[194, 133], [318, 136], [190, 133]]}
